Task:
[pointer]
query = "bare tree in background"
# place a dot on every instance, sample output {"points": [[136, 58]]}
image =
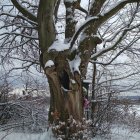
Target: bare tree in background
{"points": [[5, 88]]}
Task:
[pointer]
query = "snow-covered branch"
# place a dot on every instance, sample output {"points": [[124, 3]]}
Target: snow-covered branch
{"points": [[100, 19], [115, 9], [81, 28], [24, 10]]}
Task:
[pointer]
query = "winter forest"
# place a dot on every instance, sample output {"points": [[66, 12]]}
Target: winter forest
{"points": [[69, 69]]}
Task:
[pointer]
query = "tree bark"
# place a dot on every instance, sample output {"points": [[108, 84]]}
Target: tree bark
{"points": [[66, 93], [65, 86]]}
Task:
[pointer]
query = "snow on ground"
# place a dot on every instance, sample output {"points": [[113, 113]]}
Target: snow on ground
{"points": [[117, 133], [27, 136], [120, 133]]}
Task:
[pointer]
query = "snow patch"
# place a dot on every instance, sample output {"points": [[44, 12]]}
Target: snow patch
{"points": [[87, 81], [70, 1], [49, 63], [75, 63], [73, 81], [59, 46], [82, 37], [87, 20]]}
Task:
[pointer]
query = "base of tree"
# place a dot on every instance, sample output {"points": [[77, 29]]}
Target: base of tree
{"points": [[72, 129]]}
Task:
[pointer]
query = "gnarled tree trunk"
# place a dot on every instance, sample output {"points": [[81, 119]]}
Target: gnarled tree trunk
{"points": [[66, 92], [65, 84]]}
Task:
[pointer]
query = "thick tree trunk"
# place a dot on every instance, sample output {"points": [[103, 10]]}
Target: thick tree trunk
{"points": [[65, 86], [66, 93]]}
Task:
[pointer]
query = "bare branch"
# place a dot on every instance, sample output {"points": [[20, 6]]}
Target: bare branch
{"points": [[24, 10]]}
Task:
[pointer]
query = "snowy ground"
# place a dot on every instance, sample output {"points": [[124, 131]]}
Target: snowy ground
{"points": [[118, 132], [26, 136]]}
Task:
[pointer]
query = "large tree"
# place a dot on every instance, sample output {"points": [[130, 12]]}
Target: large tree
{"points": [[32, 24]]}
